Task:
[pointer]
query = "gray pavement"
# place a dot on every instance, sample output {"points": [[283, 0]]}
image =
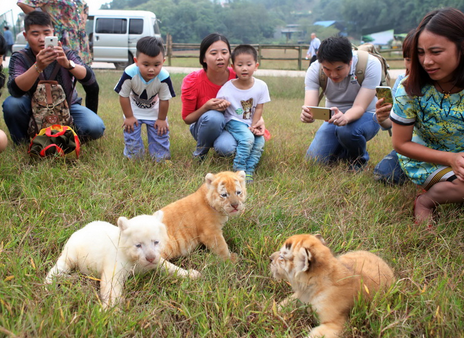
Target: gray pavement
{"points": [[260, 72]]}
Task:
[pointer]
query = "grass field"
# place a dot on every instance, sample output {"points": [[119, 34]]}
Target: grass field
{"points": [[44, 202]]}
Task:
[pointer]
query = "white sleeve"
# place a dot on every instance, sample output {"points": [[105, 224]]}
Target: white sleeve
{"points": [[312, 77]]}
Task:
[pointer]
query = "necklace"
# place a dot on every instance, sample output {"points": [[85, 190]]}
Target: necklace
{"points": [[448, 93]]}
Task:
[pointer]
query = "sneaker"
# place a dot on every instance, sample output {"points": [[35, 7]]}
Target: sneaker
{"points": [[357, 167], [249, 178], [200, 154], [199, 158]]}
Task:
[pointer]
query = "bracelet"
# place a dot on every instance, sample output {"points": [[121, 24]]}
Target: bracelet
{"points": [[38, 69]]}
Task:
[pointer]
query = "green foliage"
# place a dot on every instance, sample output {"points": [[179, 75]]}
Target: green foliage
{"points": [[43, 202], [246, 21]]}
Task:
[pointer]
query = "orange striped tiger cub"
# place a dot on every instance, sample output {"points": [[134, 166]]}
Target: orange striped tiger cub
{"points": [[199, 217], [329, 284]]}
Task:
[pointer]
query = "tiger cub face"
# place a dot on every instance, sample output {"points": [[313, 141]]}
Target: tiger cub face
{"points": [[299, 253], [227, 192]]}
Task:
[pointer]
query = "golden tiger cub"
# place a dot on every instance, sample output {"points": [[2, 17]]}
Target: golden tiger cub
{"points": [[329, 284], [199, 217]]}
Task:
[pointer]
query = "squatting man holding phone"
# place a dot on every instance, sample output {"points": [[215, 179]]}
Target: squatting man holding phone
{"points": [[38, 62], [344, 136]]}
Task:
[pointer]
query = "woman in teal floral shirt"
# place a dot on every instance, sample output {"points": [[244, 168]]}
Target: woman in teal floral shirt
{"points": [[431, 101]]}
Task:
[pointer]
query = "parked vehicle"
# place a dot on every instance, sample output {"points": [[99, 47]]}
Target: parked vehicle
{"points": [[20, 42], [113, 34]]}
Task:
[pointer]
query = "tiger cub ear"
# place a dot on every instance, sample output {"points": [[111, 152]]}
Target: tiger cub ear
{"points": [[123, 223], [159, 215], [209, 178], [303, 261], [241, 174], [319, 237]]}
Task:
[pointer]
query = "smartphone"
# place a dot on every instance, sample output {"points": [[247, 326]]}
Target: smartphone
{"points": [[51, 41], [384, 92], [321, 113]]}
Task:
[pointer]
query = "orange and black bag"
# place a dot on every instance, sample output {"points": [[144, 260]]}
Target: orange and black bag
{"points": [[55, 141]]}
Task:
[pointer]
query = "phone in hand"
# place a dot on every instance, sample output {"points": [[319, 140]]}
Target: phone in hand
{"points": [[384, 92], [51, 41], [321, 113]]}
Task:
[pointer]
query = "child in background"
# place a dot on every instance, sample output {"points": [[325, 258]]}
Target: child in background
{"points": [[247, 96], [144, 92]]}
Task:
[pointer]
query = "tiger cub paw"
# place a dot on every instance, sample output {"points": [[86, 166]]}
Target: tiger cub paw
{"points": [[234, 257], [193, 274]]}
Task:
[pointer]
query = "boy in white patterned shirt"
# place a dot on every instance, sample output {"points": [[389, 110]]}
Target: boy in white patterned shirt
{"points": [[145, 89]]}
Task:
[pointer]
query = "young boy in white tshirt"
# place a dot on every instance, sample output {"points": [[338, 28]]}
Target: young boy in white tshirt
{"points": [[144, 92], [247, 96]]}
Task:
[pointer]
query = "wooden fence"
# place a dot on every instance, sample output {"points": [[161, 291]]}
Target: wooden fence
{"points": [[173, 51]]}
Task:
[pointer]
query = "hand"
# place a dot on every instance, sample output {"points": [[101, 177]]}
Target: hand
{"points": [[255, 131], [306, 116], [162, 127], [45, 57], [338, 118], [382, 110], [259, 128], [61, 58], [457, 164], [128, 124], [217, 104]]}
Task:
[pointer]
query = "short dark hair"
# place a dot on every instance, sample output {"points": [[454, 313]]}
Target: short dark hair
{"points": [[335, 49], [6, 27], [244, 49], [150, 46], [449, 23], [207, 42], [38, 18]]}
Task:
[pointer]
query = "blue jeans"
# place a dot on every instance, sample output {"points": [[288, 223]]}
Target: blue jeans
{"points": [[389, 170], [158, 145], [17, 113], [249, 148], [209, 132], [333, 143]]}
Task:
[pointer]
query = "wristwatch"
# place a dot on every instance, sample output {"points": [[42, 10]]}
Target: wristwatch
{"points": [[72, 65]]}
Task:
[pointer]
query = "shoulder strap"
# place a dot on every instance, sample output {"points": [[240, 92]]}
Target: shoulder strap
{"points": [[322, 83], [361, 66], [359, 72]]}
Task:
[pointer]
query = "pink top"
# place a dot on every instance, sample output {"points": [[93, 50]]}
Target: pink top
{"points": [[197, 89]]}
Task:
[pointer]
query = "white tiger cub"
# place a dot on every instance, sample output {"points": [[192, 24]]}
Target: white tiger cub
{"points": [[112, 253]]}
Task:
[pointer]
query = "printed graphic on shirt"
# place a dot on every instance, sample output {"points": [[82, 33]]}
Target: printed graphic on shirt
{"points": [[143, 101], [246, 110]]}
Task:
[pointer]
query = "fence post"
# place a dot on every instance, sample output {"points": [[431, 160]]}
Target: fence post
{"points": [[299, 57], [169, 47], [259, 54]]}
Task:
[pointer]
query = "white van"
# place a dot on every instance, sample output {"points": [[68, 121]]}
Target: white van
{"points": [[113, 34]]}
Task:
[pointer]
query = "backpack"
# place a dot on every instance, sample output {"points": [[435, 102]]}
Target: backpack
{"points": [[49, 107], [364, 51], [55, 141], [49, 103]]}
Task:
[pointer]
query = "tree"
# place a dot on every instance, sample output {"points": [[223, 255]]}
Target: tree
{"points": [[248, 23]]}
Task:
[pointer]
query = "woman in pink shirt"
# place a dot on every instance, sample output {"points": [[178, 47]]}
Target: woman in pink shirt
{"points": [[200, 107]]}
